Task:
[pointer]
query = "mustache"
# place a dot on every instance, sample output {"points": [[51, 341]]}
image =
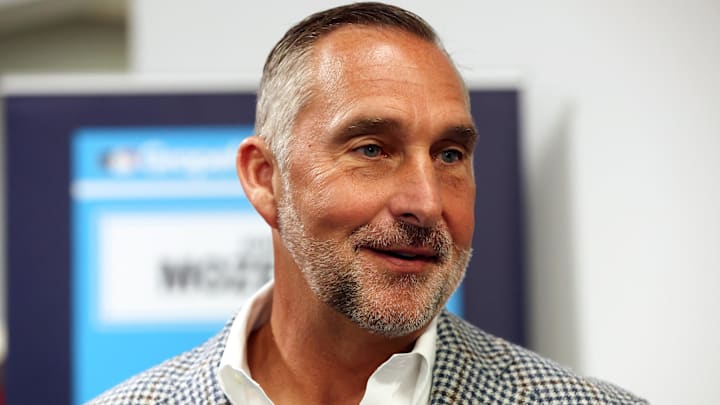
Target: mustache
{"points": [[402, 234]]}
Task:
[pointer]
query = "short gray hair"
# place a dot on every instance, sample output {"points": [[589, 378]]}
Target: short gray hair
{"points": [[286, 84]]}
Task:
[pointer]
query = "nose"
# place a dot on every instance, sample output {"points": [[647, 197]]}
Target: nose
{"points": [[416, 198]]}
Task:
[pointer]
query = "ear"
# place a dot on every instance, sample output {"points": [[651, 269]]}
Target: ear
{"points": [[257, 170]]}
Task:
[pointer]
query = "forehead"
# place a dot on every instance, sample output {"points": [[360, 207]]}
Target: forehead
{"points": [[359, 49], [378, 71]]}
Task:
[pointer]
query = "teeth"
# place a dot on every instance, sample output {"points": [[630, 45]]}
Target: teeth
{"points": [[405, 255]]}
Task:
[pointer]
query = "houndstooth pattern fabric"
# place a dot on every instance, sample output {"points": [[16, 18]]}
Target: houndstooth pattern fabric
{"points": [[471, 367]]}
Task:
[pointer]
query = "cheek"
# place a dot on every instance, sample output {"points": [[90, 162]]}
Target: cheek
{"points": [[460, 216], [334, 200]]}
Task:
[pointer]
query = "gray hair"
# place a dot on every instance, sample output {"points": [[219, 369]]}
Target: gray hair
{"points": [[286, 84]]}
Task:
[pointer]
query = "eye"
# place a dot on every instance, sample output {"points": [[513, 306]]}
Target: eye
{"points": [[370, 150], [451, 155]]}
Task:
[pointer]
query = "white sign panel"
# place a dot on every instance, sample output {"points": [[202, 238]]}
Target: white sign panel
{"points": [[180, 267]]}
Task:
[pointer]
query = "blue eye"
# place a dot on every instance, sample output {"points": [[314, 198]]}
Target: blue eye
{"points": [[451, 155], [371, 151]]}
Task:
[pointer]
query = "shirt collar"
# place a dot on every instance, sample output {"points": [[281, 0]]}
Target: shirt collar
{"points": [[234, 372], [405, 378]]}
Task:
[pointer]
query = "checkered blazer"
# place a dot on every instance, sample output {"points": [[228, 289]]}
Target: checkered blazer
{"points": [[471, 367]]}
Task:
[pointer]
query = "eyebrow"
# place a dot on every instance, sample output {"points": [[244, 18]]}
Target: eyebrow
{"points": [[368, 125], [464, 133]]}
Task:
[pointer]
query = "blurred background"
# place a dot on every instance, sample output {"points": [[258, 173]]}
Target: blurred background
{"points": [[620, 149]]}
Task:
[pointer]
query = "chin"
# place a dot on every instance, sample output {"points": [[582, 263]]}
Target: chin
{"points": [[396, 313]]}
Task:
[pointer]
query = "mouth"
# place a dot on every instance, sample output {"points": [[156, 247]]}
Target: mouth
{"points": [[408, 254]]}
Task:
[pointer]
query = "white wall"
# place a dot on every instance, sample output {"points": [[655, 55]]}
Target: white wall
{"points": [[621, 145]]}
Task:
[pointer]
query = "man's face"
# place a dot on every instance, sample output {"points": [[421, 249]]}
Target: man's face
{"points": [[377, 207]]}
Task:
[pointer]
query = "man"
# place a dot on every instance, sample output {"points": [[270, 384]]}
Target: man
{"points": [[362, 167]]}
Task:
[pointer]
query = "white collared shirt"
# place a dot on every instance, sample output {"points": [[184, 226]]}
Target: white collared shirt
{"points": [[405, 378]]}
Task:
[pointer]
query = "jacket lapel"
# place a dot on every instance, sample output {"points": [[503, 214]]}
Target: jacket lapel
{"points": [[468, 363], [201, 386]]}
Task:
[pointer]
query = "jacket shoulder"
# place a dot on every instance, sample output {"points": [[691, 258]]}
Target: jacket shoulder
{"points": [[473, 366], [187, 378]]}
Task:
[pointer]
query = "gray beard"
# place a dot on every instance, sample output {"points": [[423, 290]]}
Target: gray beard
{"points": [[384, 303]]}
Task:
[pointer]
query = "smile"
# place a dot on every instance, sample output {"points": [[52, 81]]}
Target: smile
{"points": [[424, 255]]}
